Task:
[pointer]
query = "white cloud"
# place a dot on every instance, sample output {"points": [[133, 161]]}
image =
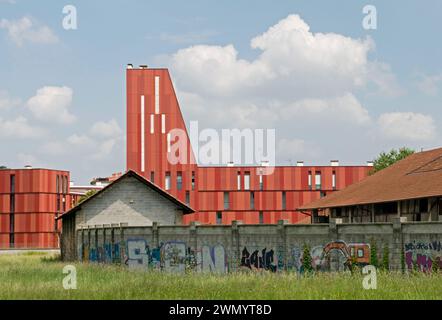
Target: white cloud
{"points": [[20, 128], [109, 129], [27, 30], [6, 101], [291, 150], [51, 104], [82, 141], [407, 126], [345, 108], [301, 82]]}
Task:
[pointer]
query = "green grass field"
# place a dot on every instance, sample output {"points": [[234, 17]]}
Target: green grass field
{"points": [[34, 276]]}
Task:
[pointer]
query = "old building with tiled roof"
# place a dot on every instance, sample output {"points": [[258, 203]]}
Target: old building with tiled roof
{"points": [[411, 188]]}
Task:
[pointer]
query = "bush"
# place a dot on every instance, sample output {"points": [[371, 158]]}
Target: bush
{"points": [[385, 258], [307, 259]]}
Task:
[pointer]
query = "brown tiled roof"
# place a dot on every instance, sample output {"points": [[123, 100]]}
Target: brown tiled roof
{"points": [[417, 176]]}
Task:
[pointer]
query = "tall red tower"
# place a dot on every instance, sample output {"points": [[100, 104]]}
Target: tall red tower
{"points": [[219, 195]]}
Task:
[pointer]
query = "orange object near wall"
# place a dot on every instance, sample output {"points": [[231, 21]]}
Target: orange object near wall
{"points": [[153, 110], [30, 200]]}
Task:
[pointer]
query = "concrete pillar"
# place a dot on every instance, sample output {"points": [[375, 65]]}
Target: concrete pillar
{"points": [[194, 235], [282, 243], [236, 257], [397, 245], [155, 235], [333, 230]]}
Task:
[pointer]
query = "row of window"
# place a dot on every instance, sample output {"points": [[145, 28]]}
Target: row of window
{"points": [[246, 180], [219, 217], [252, 200]]}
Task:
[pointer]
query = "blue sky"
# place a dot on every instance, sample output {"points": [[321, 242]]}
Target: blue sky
{"points": [[376, 90]]}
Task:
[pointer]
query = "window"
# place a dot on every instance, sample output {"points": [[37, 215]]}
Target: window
{"points": [[247, 180], [360, 253], [187, 197], [318, 180], [66, 185], [219, 217], [423, 205], [252, 200], [167, 181], [12, 203], [261, 184], [310, 180], [179, 180], [163, 123], [238, 180], [58, 203], [64, 203], [284, 205], [261, 217], [12, 182], [152, 176], [334, 180], [322, 194], [11, 231], [168, 142], [193, 180], [152, 124], [226, 201]]}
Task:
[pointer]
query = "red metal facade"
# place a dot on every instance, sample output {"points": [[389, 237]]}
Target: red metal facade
{"points": [[153, 110], [30, 199]]}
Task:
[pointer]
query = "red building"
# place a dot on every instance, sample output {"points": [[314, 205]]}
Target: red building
{"points": [[219, 195], [30, 199]]}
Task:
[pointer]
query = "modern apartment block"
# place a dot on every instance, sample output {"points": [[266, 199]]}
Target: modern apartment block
{"points": [[218, 194], [30, 200]]}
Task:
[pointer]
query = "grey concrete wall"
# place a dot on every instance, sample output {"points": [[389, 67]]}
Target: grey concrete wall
{"points": [[129, 201], [278, 247]]}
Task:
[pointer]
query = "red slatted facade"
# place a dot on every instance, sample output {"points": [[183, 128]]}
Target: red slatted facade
{"points": [[30, 199], [207, 195]]}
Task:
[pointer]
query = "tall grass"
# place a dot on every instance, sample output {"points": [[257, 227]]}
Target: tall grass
{"points": [[40, 277]]}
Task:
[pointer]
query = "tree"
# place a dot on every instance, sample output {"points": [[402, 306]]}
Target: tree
{"points": [[385, 160], [385, 258], [87, 195]]}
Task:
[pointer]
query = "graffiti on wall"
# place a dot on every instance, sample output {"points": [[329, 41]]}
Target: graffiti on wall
{"points": [[259, 259], [335, 256], [423, 256], [176, 256]]}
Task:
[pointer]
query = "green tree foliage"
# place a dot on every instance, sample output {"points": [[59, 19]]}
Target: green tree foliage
{"points": [[307, 259], [435, 265], [385, 258], [87, 195], [385, 160], [374, 254]]}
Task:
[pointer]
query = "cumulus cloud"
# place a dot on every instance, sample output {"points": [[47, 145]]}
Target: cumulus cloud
{"points": [[301, 82], [51, 104], [20, 128], [407, 126], [27, 29]]}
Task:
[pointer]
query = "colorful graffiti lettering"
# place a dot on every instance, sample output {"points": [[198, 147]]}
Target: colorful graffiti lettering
{"points": [[175, 257], [423, 256]]}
